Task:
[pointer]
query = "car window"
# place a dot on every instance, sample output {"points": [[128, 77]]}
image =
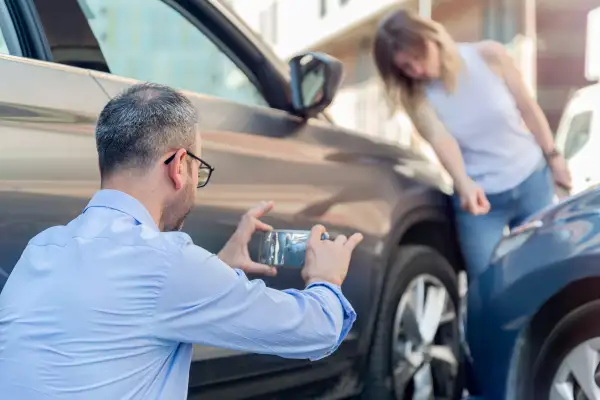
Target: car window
{"points": [[3, 44], [147, 40], [9, 41], [578, 133]]}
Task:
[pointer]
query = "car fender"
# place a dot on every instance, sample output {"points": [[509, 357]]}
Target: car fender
{"points": [[561, 250], [563, 247], [408, 218]]}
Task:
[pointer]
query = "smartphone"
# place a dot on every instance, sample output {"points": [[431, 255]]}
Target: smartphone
{"points": [[284, 247]]}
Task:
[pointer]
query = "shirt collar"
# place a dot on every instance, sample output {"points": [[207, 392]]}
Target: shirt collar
{"points": [[120, 201]]}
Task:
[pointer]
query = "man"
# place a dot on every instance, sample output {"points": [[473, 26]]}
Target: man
{"points": [[107, 307]]}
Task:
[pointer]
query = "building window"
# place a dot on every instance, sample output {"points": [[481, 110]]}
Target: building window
{"points": [[323, 8], [268, 23]]}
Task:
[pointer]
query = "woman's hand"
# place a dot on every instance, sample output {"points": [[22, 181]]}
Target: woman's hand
{"points": [[560, 172], [473, 198]]}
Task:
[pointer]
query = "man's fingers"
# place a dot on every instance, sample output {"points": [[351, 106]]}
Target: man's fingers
{"points": [[341, 239], [315, 234], [261, 209], [262, 269], [353, 241], [261, 226]]}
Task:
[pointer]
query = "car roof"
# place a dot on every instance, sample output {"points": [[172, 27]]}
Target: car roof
{"points": [[587, 93]]}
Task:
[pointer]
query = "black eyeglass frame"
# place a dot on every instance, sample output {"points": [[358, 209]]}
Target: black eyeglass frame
{"points": [[203, 166]]}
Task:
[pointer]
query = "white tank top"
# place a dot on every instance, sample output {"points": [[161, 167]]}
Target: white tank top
{"points": [[498, 150]]}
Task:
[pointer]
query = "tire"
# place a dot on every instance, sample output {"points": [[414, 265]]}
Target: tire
{"points": [[411, 264], [579, 327]]}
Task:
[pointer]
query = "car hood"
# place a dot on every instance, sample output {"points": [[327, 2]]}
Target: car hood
{"points": [[585, 202]]}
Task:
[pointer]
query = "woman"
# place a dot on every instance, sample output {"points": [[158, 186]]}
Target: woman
{"points": [[470, 103]]}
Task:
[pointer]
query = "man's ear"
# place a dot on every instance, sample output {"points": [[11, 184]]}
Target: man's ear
{"points": [[175, 169]]}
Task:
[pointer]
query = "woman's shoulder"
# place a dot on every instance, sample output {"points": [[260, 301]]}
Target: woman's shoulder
{"points": [[493, 53], [491, 50]]}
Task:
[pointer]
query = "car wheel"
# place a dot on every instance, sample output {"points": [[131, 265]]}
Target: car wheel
{"points": [[416, 343], [568, 365]]}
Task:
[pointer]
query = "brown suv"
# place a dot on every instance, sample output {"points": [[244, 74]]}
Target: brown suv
{"points": [[265, 130]]}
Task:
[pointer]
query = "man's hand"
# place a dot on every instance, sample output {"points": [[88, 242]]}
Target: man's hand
{"points": [[235, 252], [326, 260]]}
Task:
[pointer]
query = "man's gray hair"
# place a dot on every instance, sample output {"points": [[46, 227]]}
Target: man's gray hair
{"points": [[139, 125]]}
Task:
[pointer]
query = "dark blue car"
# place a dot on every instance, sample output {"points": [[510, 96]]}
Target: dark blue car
{"points": [[533, 318]]}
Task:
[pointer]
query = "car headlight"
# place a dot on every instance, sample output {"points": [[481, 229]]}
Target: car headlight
{"points": [[515, 239]]}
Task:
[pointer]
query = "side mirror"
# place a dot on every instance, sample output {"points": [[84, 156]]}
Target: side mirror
{"points": [[316, 77]]}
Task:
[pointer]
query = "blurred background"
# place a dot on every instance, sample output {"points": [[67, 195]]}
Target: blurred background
{"points": [[551, 40]]}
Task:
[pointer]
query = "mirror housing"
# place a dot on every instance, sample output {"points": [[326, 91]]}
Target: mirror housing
{"points": [[316, 77]]}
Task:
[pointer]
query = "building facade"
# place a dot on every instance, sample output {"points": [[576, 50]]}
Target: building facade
{"points": [[562, 27]]}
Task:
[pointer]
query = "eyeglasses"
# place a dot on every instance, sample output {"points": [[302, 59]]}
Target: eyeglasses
{"points": [[204, 170]]}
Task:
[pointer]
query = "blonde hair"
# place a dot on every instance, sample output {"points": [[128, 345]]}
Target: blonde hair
{"points": [[404, 30]]}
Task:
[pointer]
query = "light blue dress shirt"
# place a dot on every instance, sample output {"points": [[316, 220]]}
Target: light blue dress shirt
{"points": [[107, 307]]}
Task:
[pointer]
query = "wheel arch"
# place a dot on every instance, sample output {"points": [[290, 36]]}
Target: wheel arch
{"points": [[572, 296], [438, 235], [427, 226]]}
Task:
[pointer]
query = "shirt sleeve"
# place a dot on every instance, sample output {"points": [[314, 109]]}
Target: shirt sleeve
{"points": [[204, 301]]}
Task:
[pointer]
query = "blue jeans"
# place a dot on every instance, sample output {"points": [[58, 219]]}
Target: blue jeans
{"points": [[479, 234]]}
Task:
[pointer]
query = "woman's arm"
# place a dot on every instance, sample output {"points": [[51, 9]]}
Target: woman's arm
{"points": [[446, 149], [443, 144], [533, 116], [502, 63]]}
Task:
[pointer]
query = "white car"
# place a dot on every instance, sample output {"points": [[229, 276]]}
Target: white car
{"points": [[578, 137]]}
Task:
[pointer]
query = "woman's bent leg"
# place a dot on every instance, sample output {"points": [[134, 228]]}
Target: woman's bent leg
{"points": [[478, 236]]}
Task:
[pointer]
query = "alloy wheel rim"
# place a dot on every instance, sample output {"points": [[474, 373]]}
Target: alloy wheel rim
{"points": [[577, 377], [425, 342]]}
